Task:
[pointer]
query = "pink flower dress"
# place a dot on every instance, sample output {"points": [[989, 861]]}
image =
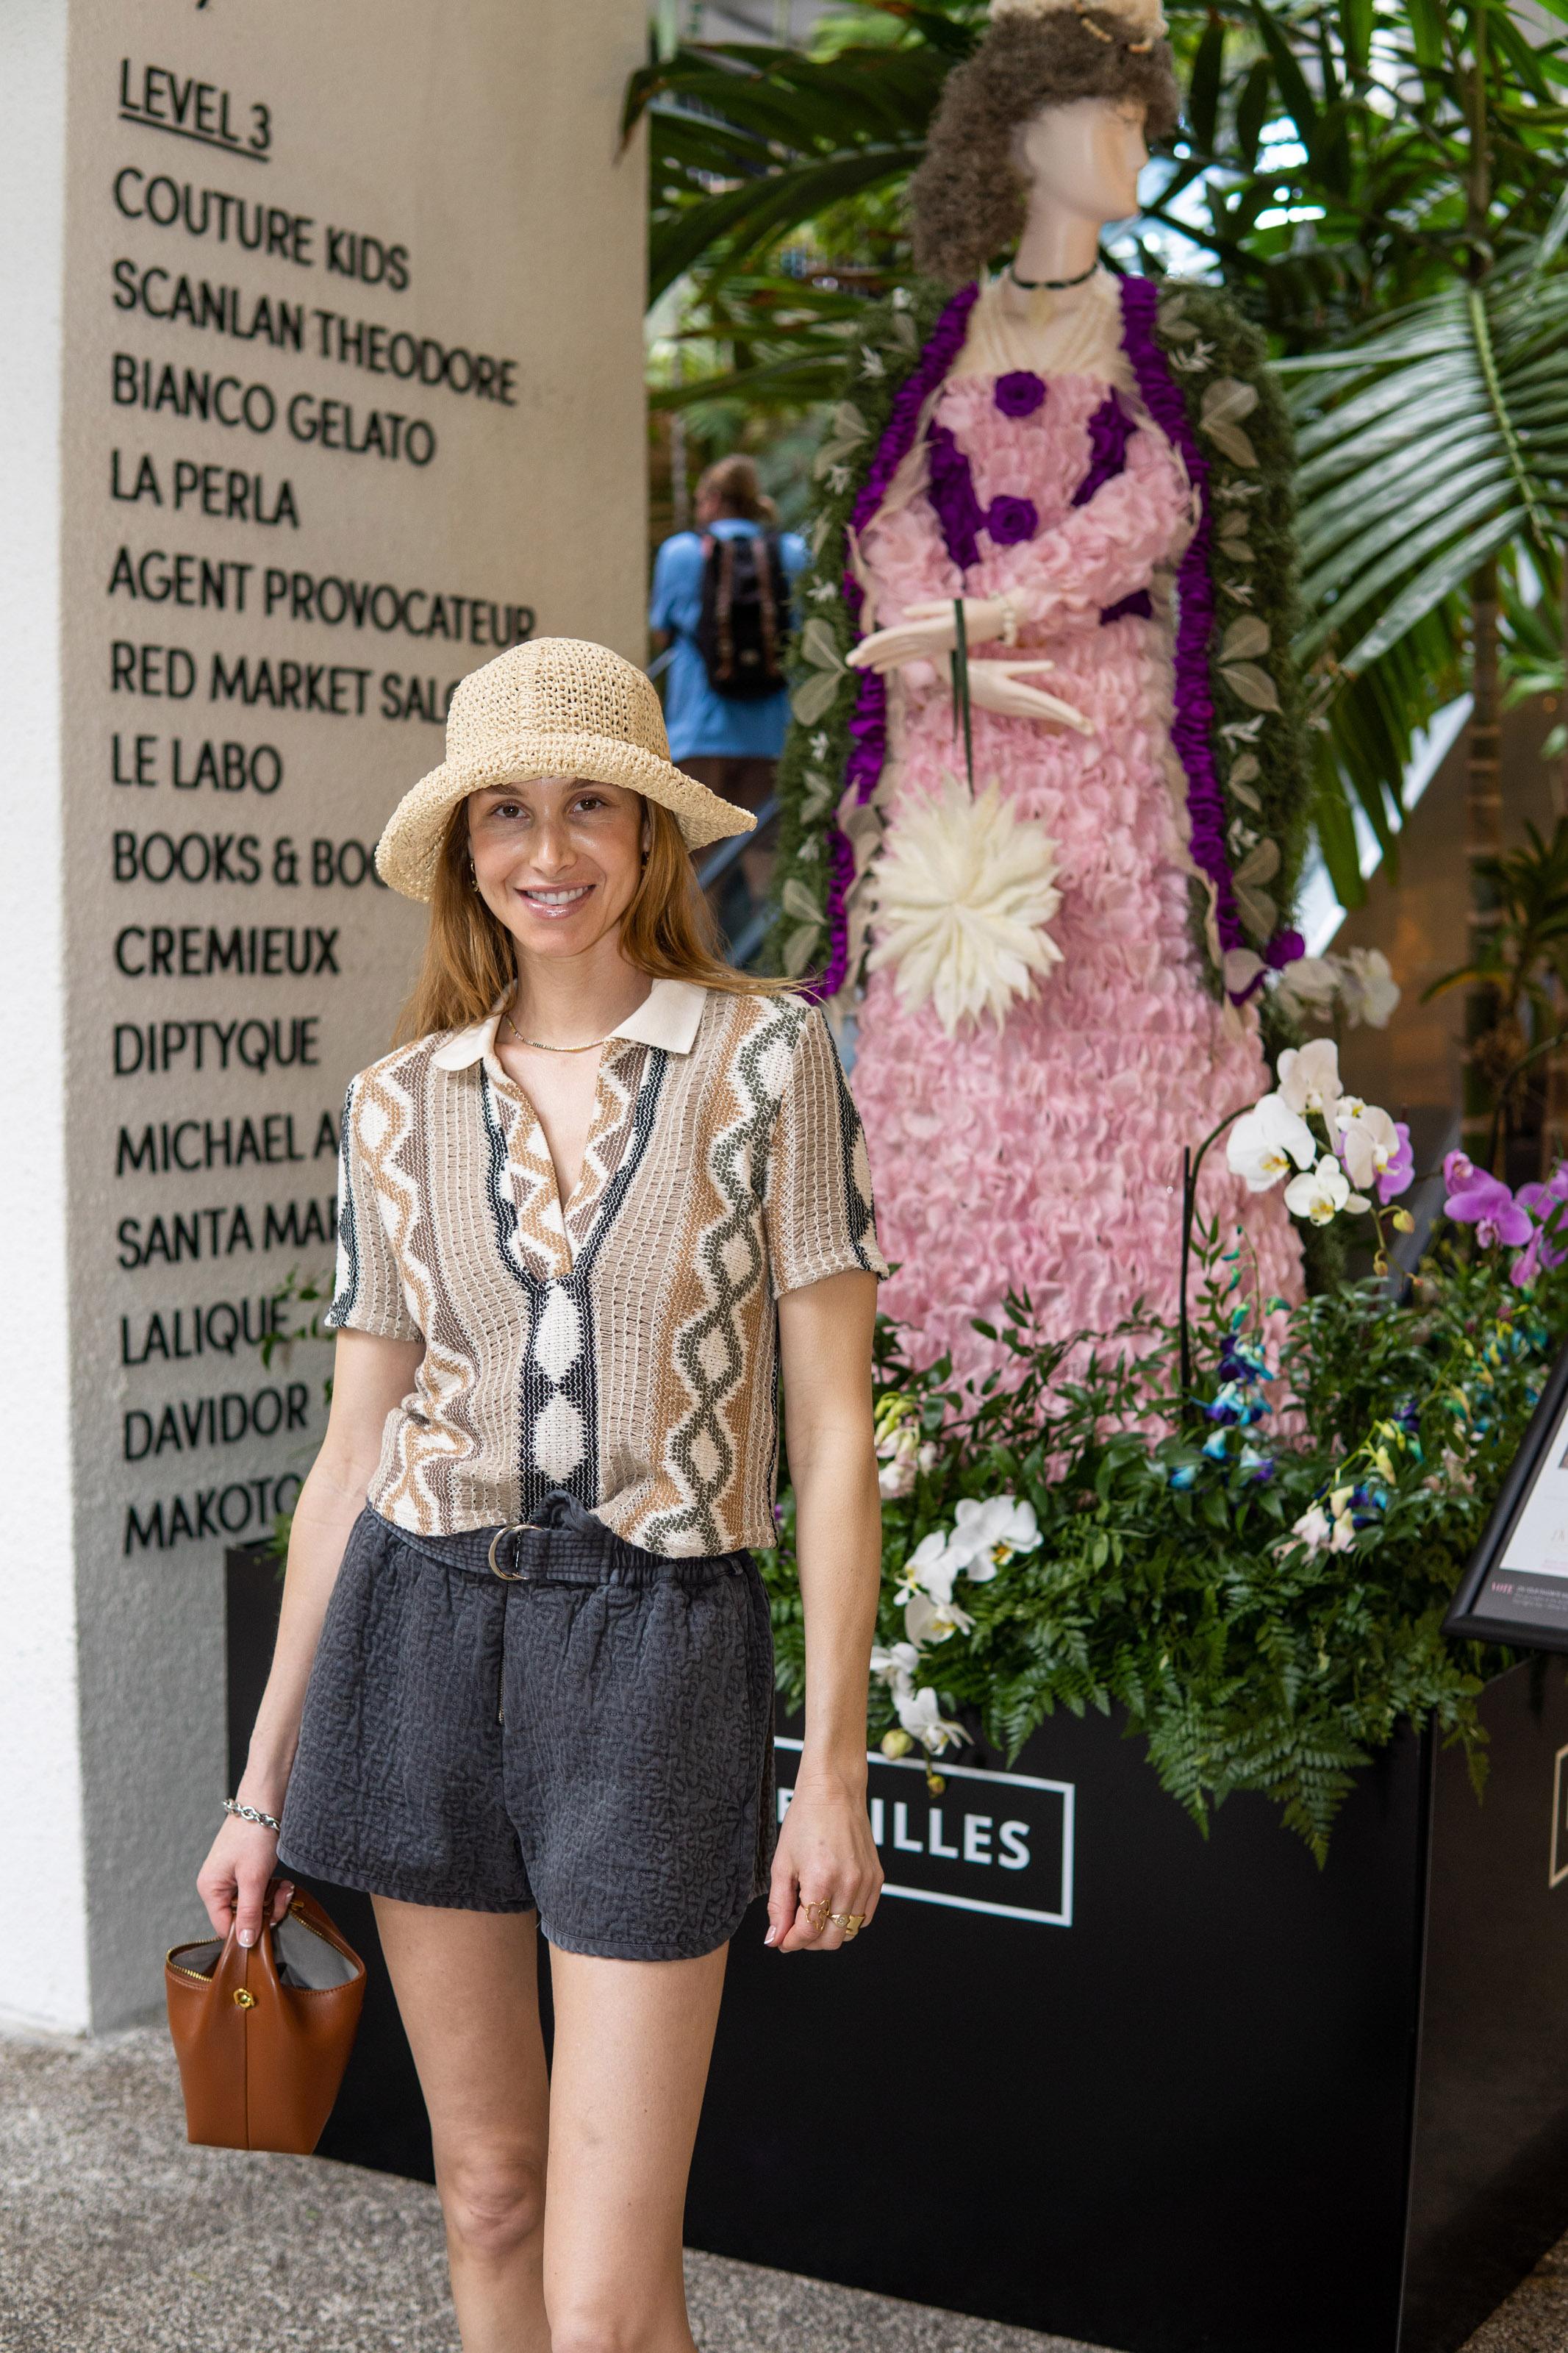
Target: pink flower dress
{"points": [[1047, 1157]]}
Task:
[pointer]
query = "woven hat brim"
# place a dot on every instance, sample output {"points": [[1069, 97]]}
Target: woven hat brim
{"points": [[409, 848]]}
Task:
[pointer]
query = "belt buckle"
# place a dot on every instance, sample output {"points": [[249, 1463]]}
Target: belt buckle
{"points": [[515, 1528]]}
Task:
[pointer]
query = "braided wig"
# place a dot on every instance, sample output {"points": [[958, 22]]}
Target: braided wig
{"points": [[969, 194]]}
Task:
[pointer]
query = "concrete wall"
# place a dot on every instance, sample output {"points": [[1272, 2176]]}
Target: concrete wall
{"points": [[329, 326]]}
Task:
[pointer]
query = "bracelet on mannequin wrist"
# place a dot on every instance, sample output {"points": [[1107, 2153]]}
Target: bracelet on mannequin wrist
{"points": [[1009, 621]]}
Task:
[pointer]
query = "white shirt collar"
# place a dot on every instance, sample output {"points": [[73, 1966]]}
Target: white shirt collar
{"points": [[668, 1017]]}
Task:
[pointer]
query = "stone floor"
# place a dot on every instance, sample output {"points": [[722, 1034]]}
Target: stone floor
{"points": [[118, 2237]]}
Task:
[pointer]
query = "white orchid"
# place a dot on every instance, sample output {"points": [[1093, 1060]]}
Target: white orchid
{"points": [[928, 1560], [1359, 980], [934, 1617], [922, 1717], [1320, 1193], [1266, 1140], [987, 1534], [895, 1665], [931, 1613], [1311, 981], [1309, 1078], [1333, 1529], [1370, 1142], [1368, 988]]}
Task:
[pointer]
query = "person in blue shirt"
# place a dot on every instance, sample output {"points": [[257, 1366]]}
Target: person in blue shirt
{"points": [[731, 746]]}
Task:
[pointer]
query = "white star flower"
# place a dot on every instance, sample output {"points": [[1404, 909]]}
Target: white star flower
{"points": [[965, 890]]}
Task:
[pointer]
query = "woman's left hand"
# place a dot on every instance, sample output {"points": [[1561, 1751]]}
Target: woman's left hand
{"points": [[826, 1862]]}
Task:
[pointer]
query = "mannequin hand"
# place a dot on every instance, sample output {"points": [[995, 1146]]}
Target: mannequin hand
{"points": [[999, 686], [927, 629]]}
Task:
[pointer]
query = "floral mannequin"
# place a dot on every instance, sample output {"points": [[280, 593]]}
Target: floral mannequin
{"points": [[1038, 1146]]}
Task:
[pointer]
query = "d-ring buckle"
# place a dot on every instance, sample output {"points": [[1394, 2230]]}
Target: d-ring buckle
{"points": [[517, 1528]]}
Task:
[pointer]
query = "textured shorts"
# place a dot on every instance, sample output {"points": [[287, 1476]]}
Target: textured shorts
{"points": [[590, 1735]]}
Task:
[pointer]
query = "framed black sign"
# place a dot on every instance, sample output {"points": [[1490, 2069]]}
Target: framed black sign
{"points": [[1516, 1587]]}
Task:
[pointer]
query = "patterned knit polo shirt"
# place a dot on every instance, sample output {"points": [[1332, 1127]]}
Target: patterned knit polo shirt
{"points": [[623, 1346]]}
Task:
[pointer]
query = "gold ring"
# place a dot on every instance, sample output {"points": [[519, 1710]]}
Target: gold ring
{"points": [[851, 1923], [818, 1915]]}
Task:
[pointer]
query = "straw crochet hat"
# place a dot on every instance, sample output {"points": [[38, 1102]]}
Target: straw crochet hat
{"points": [[554, 707]]}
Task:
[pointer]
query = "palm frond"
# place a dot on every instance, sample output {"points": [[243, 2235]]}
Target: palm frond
{"points": [[1427, 446]]}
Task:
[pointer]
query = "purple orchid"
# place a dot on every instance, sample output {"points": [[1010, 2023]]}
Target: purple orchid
{"points": [[1020, 393], [1399, 1175], [1548, 1245], [1010, 520], [1474, 1198]]}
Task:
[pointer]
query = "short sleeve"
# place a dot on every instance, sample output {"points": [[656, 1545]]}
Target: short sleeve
{"points": [[367, 1293], [817, 1207]]}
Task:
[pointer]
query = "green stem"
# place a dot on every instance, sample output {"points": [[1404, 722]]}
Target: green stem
{"points": [[961, 709], [1191, 1164]]}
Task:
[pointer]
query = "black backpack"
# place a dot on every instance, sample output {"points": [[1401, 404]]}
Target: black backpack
{"points": [[745, 617]]}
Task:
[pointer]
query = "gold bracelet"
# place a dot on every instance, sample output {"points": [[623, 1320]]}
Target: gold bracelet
{"points": [[1009, 621]]}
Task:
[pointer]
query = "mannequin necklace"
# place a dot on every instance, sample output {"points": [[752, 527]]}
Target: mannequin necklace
{"points": [[1052, 285], [540, 1047]]}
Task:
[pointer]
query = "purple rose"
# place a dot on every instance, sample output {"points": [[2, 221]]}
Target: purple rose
{"points": [[1020, 394], [1010, 520]]}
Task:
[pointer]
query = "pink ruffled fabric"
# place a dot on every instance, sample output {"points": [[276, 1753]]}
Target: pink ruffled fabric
{"points": [[1047, 1158]]}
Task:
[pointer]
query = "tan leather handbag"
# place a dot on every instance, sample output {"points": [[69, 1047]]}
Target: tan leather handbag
{"points": [[263, 2032]]}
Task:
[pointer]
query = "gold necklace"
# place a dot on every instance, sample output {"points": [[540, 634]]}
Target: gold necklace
{"points": [[540, 1047]]}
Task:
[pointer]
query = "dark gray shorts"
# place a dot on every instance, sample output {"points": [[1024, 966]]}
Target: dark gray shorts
{"points": [[594, 1739]]}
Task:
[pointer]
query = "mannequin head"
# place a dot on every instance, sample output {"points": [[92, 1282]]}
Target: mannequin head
{"points": [[1059, 101], [1085, 157]]}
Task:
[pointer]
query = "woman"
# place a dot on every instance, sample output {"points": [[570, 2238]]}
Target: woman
{"points": [[541, 1693], [728, 743]]}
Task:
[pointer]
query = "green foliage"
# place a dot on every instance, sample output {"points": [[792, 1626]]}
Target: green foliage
{"points": [[1168, 1580]]}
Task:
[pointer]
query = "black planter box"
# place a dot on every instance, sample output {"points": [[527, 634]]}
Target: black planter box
{"points": [[1160, 2092]]}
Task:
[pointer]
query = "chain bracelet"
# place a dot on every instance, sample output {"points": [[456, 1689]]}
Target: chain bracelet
{"points": [[252, 1814]]}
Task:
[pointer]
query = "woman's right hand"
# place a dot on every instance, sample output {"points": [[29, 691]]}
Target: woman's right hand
{"points": [[237, 1880]]}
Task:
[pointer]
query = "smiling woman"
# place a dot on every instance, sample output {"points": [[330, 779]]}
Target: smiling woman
{"points": [[600, 1194]]}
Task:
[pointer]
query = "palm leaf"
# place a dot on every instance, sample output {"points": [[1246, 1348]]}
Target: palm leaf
{"points": [[1427, 445]]}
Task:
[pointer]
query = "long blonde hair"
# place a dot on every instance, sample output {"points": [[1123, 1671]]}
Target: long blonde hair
{"points": [[668, 932]]}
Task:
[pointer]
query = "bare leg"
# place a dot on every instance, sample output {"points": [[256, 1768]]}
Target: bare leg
{"points": [[467, 1987], [632, 2041]]}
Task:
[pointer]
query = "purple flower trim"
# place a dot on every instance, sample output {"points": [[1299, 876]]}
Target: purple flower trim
{"points": [[1010, 520], [867, 735], [868, 724], [840, 874], [1139, 607], [1110, 431], [953, 499], [898, 437], [1020, 393], [1193, 719]]}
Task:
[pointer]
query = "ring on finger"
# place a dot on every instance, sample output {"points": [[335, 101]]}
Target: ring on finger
{"points": [[818, 1915], [850, 1922]]}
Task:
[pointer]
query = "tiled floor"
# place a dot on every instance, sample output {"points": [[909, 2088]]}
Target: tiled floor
{"points": [[118, 2237]]}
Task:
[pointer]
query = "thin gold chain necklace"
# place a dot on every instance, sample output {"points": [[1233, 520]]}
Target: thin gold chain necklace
{"points": [[540, 1047]]}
